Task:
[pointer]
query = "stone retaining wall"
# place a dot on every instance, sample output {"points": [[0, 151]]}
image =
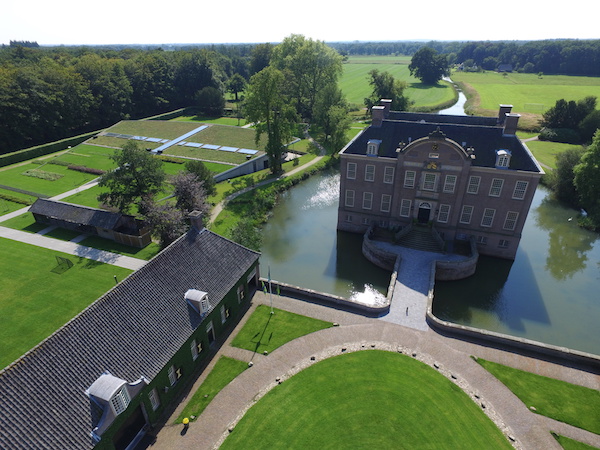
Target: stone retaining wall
{"points": [[457, 270]]}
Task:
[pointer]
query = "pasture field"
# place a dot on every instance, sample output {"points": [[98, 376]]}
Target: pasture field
{"points": [[38, 297], [383, 400], [545, 152], [528, 93], [355, 85]]}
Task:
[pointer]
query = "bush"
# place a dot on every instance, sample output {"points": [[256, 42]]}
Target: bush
{"points": [[42, 174], [564, 135], [14, 199], [87, 170]]}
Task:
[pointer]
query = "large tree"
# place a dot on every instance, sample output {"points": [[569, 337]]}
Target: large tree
{"points": [[331, 115], [269, 109], [138, 175], [189, 193], [428, 65], [587, 179], [386, 86]]}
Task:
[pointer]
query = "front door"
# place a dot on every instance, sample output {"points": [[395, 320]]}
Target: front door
{"points": [[424, 212]]}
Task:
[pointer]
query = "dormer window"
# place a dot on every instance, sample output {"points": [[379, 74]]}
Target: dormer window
{"points": [[373, 147], [502, 159], [120, 401]]}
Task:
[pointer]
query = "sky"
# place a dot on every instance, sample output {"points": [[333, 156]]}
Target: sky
{"points": [[76, 22]]}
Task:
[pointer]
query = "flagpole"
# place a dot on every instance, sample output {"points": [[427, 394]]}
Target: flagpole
{"points": [[270, 290]]}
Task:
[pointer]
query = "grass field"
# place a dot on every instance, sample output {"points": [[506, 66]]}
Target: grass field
{"points": [[224, 371], [545, 152], [36, 298], [576, 405], [265, 331], [526, 92], [355, 85], [220, 120], [383, 400]]}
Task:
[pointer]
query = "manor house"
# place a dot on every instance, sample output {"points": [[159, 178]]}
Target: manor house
{"points": [[465, 176]]}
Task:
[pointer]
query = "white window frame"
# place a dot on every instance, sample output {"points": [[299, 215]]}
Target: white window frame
{"points": [[429, 181], [241, 293], [520, 190], [510, 222], [351, 171], [194, 349], [487, 219], [349, 198], [367, 200], [370, 172], [466, 214], [473, 186], [154, 399], [496, 187], [120, 401], [223, 314], [502, 158], [503, 243], [482, 240], [172, 375], [405, 207], [388, 174], [410, 177], [444, 213], [386, 202], [450, 184]]}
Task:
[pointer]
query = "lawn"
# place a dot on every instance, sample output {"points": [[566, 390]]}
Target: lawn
{"points": [[224, 371], [265, 331], [545, 152], [88, 155], [355, 81], [38, 296], [575, 405], [219, 120], [570, 444], [526, 92], [366, 400]]}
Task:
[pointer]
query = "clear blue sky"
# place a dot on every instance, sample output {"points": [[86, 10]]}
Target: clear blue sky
{"points": [[77, 22]]}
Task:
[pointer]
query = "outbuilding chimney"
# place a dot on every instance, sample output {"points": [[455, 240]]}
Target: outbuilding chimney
{"points": [[196, 220]]}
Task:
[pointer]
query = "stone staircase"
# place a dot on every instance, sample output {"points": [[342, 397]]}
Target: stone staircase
{"points": [[420, 238]]}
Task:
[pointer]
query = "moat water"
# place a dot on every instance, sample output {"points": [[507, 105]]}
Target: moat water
{"points": [[550, 293]]}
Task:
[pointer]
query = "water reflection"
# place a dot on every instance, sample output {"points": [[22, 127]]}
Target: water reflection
{"points": [[568, 245]]}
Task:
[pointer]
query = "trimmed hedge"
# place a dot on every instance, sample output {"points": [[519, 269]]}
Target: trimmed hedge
{"points": [[42, 150]]}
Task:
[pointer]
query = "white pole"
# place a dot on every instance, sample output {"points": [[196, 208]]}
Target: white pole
{"points": [[270, 290]]}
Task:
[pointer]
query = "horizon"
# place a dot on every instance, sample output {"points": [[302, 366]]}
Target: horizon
{"points": [[71, 23]]}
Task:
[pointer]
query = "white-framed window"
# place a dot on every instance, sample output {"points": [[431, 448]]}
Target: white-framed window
{"points": [[224, 314], [482, 240], [510, 222], [369, 172], [365, 221], [388, 174], [120, 400], [473, 186], [386, 202], [409, 179], [373, 147], [241, 293], [444, 213], [172, 375], [405, 206], [194, 349], [429, 181], [450, 184], [488, 217], [349, 200], [367, 200], [348, 218], [351, 171], [466, 214], [154, 399], [520, 190], [503, 243], [502, 158], [496, 187]]}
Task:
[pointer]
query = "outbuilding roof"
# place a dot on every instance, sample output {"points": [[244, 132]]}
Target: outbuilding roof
{"points": [[132, 331], [77, 214]]}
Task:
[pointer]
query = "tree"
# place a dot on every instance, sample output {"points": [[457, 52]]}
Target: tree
{"points": [[189, 193], [562, 178], [236, 84], [166, 221], [260, 57], [587, 179], [246, 233], [385, 86], [210, 101], [199, 169], [138, 175], [429, 66], [331, 115], [268, 108]]}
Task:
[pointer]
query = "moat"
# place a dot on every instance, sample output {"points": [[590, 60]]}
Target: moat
{"points": [[548, 294]]}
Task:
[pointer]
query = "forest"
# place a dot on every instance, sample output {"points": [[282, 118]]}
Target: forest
{"points": [[48, 93]]}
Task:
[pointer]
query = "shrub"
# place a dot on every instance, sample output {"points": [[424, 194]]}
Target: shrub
{"points": [[42, 174], [564, 135], [87, 170], [11, 198]]}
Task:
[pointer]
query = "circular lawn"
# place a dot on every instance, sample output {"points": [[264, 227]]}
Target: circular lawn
{"points": [[368, 399]]}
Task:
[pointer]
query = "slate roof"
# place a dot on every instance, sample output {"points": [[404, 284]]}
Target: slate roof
{"points": [[481, 133], [133, 330], [78, 214]]}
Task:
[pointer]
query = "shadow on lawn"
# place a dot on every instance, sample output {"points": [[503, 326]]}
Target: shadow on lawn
{"points": [[262, 335]]}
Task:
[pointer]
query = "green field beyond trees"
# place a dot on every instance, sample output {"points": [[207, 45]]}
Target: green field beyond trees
{"points": [[383, 400]]}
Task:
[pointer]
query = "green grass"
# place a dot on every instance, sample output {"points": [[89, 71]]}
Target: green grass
{"points": [[36, 299], [526, 92], [545, 152], [87, 155], [265, 331], [571, 444], [575, 405], [224, 371], [153, 128], [219, 120], [366, 400], [355, 81]]}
